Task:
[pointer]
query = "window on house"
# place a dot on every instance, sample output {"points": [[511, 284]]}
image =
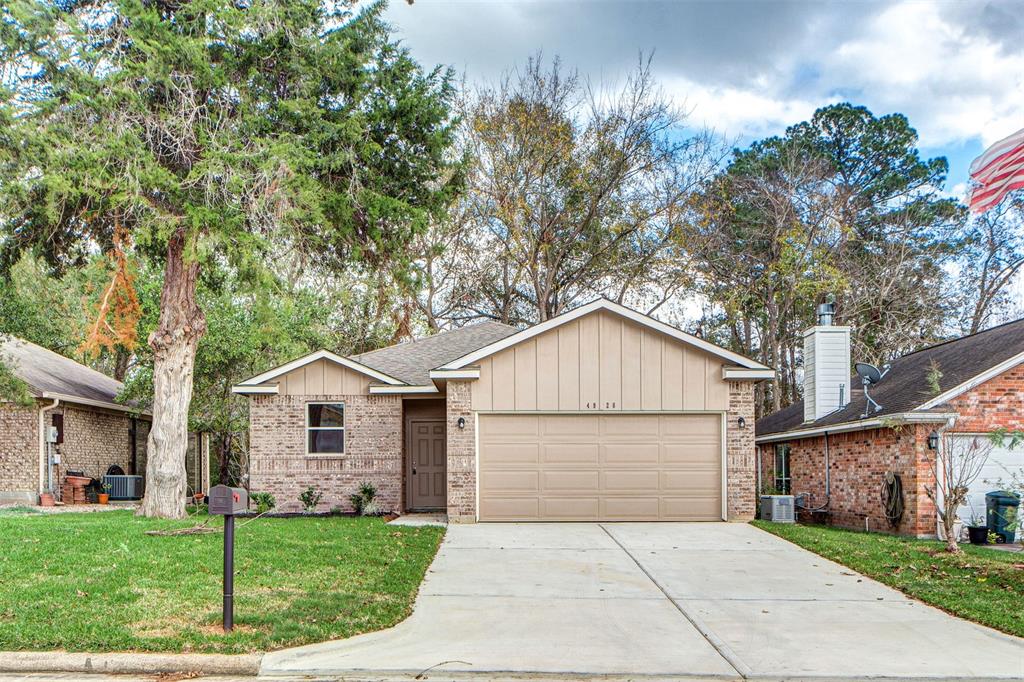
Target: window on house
{"points": [[782, 479], [325, 428]]}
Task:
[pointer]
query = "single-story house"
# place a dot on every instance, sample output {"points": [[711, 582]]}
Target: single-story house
{"points": [[601, 413], [835, 447], [74, 424]]}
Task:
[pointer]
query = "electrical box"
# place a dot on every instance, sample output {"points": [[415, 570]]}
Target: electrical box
{"points": [[52, 434], [228, 501], [778, 508]]}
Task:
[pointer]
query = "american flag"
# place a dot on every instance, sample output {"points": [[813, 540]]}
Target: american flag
{"points": [[997, 172]]}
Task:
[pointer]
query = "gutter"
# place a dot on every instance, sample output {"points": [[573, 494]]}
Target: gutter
{"points": [[45, 468], [860, 425], [94, 403]]}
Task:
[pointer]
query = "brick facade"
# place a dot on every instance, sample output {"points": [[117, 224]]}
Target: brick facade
{"points": [[278, 462], [997, 403], [19, 452], [94, 440], [461, 453], [858, 462], [741, 458]]}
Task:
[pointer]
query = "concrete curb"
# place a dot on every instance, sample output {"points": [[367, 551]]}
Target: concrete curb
{"points": [[128, 663]]}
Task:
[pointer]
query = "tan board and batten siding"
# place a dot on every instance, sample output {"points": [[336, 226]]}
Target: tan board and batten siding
{"points": [[615, 463], [323, 378], [601, 362]]}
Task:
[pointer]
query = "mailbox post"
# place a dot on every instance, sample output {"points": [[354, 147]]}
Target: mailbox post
{"points": [[227, 502]]}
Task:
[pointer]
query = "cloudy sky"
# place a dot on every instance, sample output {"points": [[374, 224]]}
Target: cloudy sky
{"points": [[749, 69]]}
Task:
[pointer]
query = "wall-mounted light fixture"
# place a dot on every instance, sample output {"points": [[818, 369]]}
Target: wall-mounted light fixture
{"points": [[933, 440], [742, 423], [462, 422]]}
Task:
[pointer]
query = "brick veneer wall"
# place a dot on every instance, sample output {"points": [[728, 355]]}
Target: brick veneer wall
{"points": [[740, 453], [373, 450], [461, 454], [93, 440], [858, 461], [19, 449], [997, 403]]}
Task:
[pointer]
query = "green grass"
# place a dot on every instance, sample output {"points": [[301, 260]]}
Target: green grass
{"points": [[983, 585], [96, 582]]}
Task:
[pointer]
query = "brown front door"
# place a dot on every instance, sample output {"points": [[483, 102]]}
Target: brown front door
{"points": [[428, 456]]}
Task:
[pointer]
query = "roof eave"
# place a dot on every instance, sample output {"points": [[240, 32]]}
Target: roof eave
{"points": [[883, 421], [90, 402]]}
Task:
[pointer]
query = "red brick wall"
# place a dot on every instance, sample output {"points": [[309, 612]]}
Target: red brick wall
{"points": [[19, 450], [858, 462], [997, 403], [373, 450]]}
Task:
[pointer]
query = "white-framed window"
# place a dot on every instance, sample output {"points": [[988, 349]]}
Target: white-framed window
{"points": [[325, 428], [782, 478]]}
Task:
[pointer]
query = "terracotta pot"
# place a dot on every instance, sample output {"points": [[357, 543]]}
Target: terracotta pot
{"points": [[46, 500], [103, 498], [78, 480]]}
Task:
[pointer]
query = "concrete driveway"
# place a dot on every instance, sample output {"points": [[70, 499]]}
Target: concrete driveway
{"points": [[671, 600]]}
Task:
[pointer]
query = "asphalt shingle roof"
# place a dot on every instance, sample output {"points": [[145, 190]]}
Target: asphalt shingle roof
{"points": [[906, 386], [46, 371], [412, 361]]}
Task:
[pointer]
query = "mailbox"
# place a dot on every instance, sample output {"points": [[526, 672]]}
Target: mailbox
{"points": [[228, 501]]}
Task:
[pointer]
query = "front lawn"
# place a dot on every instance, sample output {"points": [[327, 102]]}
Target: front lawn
{"points": [[96, 582], [983, 585]]}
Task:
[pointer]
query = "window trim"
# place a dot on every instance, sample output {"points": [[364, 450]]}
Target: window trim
{"points": [[783, 481], [343, 428]]}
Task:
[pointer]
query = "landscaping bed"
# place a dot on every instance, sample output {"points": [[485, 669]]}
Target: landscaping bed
{"points": [[97, 582], [982, 585]]}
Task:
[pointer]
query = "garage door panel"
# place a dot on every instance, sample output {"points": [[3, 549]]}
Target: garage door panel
{"points": [[569, 508], [631, 508], [632, 481], [690, 480], [631, 453], [519, 426], [695, 426], [498, 508], [506, 481], [692, 453], [594, 467], [588, 481], [562, 426], [695, 508], [570, 453], [515, 453]]}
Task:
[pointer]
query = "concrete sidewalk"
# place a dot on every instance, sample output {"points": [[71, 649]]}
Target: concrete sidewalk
{"points": [[700, 601]]}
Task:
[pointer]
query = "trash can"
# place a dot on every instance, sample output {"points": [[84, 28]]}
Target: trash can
{"points": [[1001, 507]]}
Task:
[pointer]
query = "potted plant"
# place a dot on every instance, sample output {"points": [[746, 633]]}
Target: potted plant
{"points": [[104, 496], [977, 530]]}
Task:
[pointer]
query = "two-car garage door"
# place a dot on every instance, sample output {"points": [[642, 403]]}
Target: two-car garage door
{"points": [[600, 467]]}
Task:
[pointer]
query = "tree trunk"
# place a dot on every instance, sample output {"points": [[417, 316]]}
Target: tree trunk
{"points": [[174, 352]]}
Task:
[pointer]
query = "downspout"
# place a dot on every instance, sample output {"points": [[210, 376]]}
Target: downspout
{"points": [[828, 473], [45, 468]]}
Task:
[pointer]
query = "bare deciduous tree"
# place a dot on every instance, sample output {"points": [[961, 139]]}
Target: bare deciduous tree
{"points": [[956, 465]]}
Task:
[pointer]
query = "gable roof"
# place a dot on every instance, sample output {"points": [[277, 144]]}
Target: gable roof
{"points": [[412, 361], [612, 307], [402, 365], [51, 375], [964, 363]]}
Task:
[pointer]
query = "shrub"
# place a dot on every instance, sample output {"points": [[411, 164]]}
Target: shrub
{"points": [[310, 498], [363, 500], [264, 502]]}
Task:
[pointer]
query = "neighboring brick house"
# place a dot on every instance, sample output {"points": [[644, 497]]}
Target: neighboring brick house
{"points": [[93, 430], [955, 391], [598, 414]]}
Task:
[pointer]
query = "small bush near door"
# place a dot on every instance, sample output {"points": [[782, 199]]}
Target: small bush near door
{"points": [[264, 502], [364, 502], [310, 499]]}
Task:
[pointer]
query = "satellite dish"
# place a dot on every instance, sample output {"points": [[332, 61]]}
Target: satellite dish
{"points": [[869, 374]]}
